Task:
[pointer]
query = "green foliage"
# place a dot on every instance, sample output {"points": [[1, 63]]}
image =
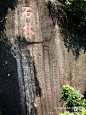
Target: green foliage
{"points": [[84, 111], [77, 113], [78, 10], [71, 97]]}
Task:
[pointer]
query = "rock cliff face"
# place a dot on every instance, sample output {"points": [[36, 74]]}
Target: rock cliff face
{"points": [[39, 66]]}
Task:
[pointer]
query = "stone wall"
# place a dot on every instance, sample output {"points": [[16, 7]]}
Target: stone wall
{"points": [[64, 59]]}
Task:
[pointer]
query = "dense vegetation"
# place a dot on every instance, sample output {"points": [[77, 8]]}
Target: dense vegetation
{"points": [[78, 9], [78, 12], [73, 100]]}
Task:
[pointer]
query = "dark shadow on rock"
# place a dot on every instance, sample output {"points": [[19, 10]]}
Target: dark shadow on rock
{"points": [[49, 7], [38, 89], [35, 89], [9, 86], [25, 43], [73, 38], [85, 95]]}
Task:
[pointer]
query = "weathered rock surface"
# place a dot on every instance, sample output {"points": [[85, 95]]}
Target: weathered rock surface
{"points": [[36, 68]]}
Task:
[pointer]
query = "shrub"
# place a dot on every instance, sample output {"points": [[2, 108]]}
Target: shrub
{"points": [[72, 99]]}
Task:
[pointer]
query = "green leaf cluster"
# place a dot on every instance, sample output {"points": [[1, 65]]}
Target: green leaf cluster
{"points": [[78, 113], [71, 97]]}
